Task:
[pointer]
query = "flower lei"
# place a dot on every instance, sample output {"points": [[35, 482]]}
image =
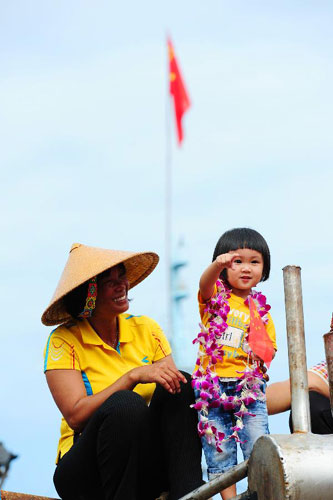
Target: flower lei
{"points": [[206, 379]]}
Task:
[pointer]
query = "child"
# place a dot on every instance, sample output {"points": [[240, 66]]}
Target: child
{"points": [[229, 376]]}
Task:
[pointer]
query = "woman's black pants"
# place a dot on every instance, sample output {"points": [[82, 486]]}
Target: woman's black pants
{"points": [[320, 414], [129, 451]]}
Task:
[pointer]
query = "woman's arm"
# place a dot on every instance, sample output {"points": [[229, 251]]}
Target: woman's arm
{"points": [[212, 273], [69, 393], [278, 395]]}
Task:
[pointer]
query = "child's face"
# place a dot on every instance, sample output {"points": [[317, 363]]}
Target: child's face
{"points": [[246, 271]]}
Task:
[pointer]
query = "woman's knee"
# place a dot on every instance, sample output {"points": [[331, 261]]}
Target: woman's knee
{"points": [[125, 421], [186, 393], [187, 389], [123, 406]]}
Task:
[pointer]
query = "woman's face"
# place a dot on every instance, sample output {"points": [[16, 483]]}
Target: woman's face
{"points": [[112, 293]]}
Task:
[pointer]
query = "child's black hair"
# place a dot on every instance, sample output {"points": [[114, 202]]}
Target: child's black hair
{"points": [[244, 237]]}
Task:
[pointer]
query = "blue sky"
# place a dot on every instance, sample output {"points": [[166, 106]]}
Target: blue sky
{"points": [[83, 128]]}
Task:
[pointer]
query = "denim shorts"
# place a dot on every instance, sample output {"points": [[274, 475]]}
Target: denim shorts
{"points": [[254, 427]]}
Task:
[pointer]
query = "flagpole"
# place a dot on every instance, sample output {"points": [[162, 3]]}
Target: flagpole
{"points": [[168, 206], [181, 102]]}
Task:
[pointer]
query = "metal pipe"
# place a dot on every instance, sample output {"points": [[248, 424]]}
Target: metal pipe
{"points": [[219, 483], [328, 341], [296, 349], [292, 467]]}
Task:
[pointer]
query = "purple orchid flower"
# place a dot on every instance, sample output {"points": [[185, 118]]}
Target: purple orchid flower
{"points": [[200, 405]]}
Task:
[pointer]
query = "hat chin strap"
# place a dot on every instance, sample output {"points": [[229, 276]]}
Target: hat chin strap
{"points": [[90, 300]]}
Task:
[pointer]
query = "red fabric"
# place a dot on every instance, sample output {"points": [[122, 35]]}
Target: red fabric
{"points": [[178, 91], [259, 340]]}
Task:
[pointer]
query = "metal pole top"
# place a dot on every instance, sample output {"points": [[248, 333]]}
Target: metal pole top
{"points": [[291, 267]]}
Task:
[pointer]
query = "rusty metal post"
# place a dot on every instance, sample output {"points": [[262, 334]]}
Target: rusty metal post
{"points": [[296, 349], [328, 341], [221, 482]]}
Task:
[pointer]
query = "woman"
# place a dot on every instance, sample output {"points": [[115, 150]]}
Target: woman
{"points": [[279, 399], [127, 430]]}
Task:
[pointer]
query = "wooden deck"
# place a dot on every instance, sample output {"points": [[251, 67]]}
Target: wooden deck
{"points": [[10, 495]]}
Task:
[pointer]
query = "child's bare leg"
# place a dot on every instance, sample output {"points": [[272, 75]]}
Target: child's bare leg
{"points": [[228, 493]]}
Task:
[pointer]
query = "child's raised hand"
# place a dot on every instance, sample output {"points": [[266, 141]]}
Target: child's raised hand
{"points": [[213, 271], [226, 260]]}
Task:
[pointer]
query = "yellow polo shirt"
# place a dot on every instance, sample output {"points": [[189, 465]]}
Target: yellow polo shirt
{"points": [[76, 346], [235, 358]]}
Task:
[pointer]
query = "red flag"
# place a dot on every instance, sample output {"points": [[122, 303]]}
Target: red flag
{"points": [[178, 91], [259, 340]]}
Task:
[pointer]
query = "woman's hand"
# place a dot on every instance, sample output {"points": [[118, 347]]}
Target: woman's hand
{"points": [[163, 372]]}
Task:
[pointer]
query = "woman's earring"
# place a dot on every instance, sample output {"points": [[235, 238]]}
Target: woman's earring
{"points": [[91, 299]]}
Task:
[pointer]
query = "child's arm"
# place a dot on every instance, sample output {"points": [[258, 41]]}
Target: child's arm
{"points": [[212, 273]]}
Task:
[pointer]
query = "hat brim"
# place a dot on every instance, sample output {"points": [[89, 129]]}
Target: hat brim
{"points": [[87, 262]]}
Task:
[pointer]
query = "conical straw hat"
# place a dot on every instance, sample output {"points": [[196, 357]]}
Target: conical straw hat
{"points": [[86, 262]]}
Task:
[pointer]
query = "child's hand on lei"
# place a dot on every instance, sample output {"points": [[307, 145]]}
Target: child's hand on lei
{"points": [[254, 357]]}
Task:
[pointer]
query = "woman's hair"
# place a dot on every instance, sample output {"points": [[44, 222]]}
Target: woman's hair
{"points": [[243, 237], [76, 299]]}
